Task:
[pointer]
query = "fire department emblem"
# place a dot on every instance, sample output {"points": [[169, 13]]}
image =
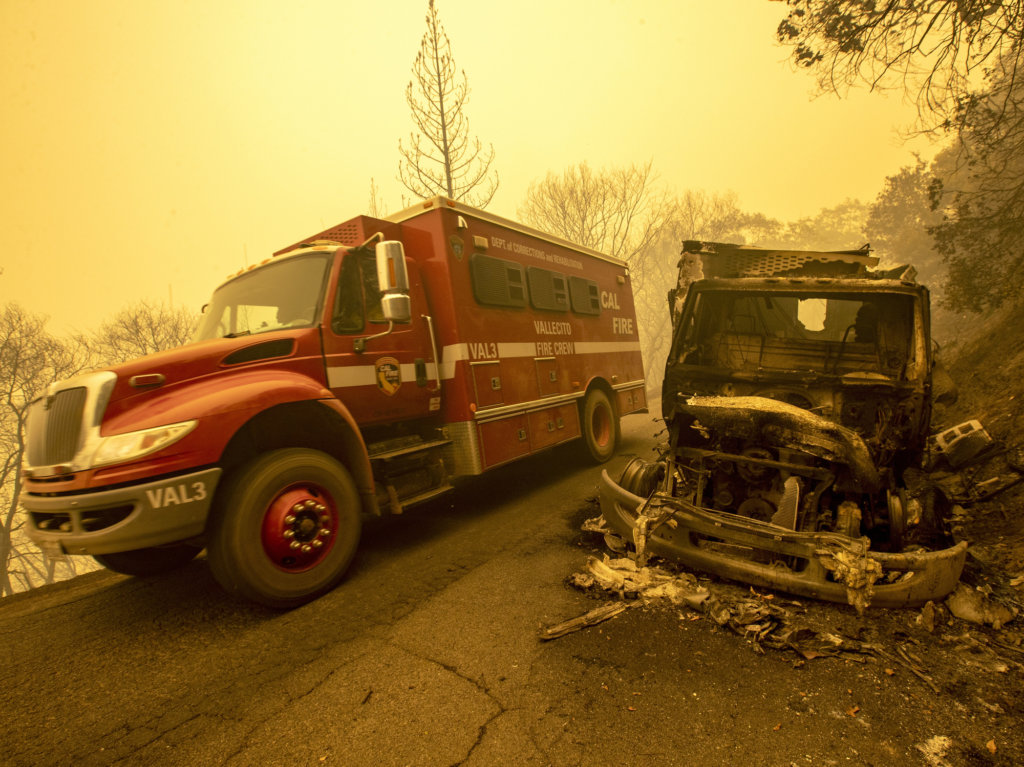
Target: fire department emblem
{"points": [[389, 375], [457, 246]]}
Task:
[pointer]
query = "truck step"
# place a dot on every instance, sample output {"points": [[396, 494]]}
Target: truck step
{"points": [[417, 448], [427, 495]]}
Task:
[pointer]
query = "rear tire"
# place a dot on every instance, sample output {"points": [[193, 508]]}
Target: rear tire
{"points": [[600, 426], [149, 561], [285, 528]]}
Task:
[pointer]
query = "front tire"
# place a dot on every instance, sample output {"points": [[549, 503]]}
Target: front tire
{"points": [[600, 426], [285, 528], [149, 561]]}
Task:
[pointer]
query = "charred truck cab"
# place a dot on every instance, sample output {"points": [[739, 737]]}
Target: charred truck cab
{"points": [[797, 396], [357, 372]]}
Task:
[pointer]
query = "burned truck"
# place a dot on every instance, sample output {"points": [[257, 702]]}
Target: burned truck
{"points": [[797, 398]]}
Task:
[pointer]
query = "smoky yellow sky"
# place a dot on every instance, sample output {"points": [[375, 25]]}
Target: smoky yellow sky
{"points": [[149, 149]]}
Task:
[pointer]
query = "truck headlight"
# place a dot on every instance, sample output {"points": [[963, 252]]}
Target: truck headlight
{"points": [[124, 447]]}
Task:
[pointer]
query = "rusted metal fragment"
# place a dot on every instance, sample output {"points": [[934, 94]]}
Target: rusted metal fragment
{"points": [[765, 555], [629, 579], [961, 444], [851, 564]]}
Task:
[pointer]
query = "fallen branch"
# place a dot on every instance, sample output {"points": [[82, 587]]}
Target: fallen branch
{"points": [[906, 664], [592, 618]]}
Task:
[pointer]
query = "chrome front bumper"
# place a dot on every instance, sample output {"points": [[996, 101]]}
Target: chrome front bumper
{"points": [[124, 518]]}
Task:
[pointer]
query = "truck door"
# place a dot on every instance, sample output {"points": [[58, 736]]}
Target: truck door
{"points": [[393, 378]]}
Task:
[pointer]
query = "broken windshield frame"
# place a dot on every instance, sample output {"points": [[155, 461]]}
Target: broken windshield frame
{"points": [[284, 294], [823, 333]]}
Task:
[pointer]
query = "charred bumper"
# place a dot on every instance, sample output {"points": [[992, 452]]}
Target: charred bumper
{"points": [[123, 518], [768, 556]]}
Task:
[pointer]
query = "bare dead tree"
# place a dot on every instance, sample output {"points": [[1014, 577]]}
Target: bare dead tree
{"points": [[30, 359], [441, 157], [376, 207], [137, 330], [701, 215], [618, 211]]}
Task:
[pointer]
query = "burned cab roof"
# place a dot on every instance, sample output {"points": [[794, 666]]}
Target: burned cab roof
{"points": [[725, 260], [867, 285]]}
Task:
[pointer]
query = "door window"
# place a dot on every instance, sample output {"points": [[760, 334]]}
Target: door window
{"points": [[358, 299]]}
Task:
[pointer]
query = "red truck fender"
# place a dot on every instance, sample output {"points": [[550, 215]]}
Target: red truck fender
{"points": [[244, 414], [301, 413]]}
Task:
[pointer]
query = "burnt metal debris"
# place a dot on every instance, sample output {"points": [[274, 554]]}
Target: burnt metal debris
{"points": [[798, 393]]}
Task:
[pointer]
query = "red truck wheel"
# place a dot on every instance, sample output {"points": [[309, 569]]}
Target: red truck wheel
{"points": [[149, 561], [285, 528], [600, 426]]}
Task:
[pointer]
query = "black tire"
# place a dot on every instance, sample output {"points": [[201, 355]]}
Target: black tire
{"points": [[149, 561], [600, 425], [641, 477], [286, 497]]}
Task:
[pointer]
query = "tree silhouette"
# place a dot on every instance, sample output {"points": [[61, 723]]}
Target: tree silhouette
{"points": [[935, 52], [961, 61], [30, 359], [441, 157], [137, 330], [618, 211]]}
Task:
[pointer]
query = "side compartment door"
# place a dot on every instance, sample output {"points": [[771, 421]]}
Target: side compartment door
{"points": [[392, 379]]}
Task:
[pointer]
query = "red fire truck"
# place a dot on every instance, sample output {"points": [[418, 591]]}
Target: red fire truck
{"points": [[356, 372]]}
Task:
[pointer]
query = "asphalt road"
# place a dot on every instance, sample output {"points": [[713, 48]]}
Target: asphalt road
{"points": [[427, 654]]}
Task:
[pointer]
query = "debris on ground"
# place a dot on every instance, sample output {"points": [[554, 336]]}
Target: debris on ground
{"points": [[972, 605], [982, 477], [961, 444], [611, 538], [770, 622], [627, 579], [934, 750], [759, 619], [854, 568], [591, 618]]}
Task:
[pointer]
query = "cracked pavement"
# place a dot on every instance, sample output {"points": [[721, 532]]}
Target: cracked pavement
{"points": [[423, 655], [427, 654]]}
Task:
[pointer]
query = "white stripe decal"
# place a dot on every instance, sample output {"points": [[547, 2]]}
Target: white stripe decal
{"points": [[455, 353], [451, 355], [366, 375], [606, 347], [351, 375], [517, 350]]}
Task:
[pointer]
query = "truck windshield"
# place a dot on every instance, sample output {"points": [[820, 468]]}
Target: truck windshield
{"points": [[283, 294], [824, 333]]}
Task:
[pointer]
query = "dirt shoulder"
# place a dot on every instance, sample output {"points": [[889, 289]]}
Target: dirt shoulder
{"points": [[988, 368]]}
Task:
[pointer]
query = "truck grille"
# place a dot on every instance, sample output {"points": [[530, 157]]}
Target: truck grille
{"points": [[55, 426]]}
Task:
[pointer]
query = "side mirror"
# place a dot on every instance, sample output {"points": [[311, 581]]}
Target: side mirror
{"points": [[393, 278]]}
